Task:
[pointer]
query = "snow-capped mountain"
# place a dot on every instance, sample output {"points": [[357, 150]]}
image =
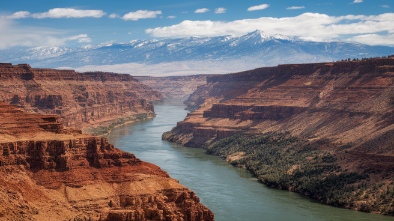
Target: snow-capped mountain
{"points": [[255, 47]]}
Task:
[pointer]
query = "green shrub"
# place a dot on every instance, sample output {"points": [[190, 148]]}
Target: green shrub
{"points": [[282, 161]]}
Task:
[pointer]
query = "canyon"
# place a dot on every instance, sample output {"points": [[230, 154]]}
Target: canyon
{"points": [[52, 172], [94, 101], [174, 87], [51, 169], [324, 130]]}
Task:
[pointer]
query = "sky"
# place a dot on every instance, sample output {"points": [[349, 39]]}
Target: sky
{"points": [[72, 23]]}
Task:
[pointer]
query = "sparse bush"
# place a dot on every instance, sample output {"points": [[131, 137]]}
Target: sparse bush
{"points": [[286, 162]]}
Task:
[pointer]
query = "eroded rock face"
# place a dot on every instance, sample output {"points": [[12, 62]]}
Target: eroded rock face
{"points": [[51, 173], [342, 101], [84, 100], [344, 109]]}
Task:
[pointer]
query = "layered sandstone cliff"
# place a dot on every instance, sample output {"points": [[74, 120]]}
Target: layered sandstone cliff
{"points": [[48, 172], [94, 100], [343, 109], [306, 99]]}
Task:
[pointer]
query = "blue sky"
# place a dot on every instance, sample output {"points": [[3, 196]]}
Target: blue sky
{"points": [[35, 23]]}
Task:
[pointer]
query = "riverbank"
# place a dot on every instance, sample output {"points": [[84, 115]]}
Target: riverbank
{"points": [[285, 162], [281, 161], [105, 127]]}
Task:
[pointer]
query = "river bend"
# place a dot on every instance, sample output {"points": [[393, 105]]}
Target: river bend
{"points": [[231, 193]]}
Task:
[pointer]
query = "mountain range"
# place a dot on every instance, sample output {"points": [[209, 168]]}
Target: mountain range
{"points": [[255, 49]]}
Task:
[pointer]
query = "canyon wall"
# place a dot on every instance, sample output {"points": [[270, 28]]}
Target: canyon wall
{"points": [[93, 101], [50, 172], [305, 99], [343, 109]]}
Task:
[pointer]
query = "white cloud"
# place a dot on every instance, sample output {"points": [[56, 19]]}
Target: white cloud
{"points": [[258, 7], [374, 39], [295, 7], [141, 14], [18, 35], [113, 15], [171, 17], [59, 13], [220, 10], [82, 38], [69, 13], [20, 14], [357, 1], [385, 6], [201, 10], [312, 26]]}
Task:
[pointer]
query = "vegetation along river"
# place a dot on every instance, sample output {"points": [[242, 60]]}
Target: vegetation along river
{"points": [[231, 193]]}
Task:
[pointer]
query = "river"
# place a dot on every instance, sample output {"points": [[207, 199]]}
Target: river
{"points": [[231, 193]]}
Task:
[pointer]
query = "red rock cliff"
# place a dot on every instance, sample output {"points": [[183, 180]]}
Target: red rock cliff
{"points": [[343, 101], [86, 100], [51, 173]]}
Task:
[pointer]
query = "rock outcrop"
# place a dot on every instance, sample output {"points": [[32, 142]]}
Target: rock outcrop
{"points": [[174, 87], [48, 172], [345, 109], [94, 101]]}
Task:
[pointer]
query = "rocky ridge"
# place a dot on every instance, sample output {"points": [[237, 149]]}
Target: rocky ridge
{"points": [[49, 172], [93, 101], [342, 111]]}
